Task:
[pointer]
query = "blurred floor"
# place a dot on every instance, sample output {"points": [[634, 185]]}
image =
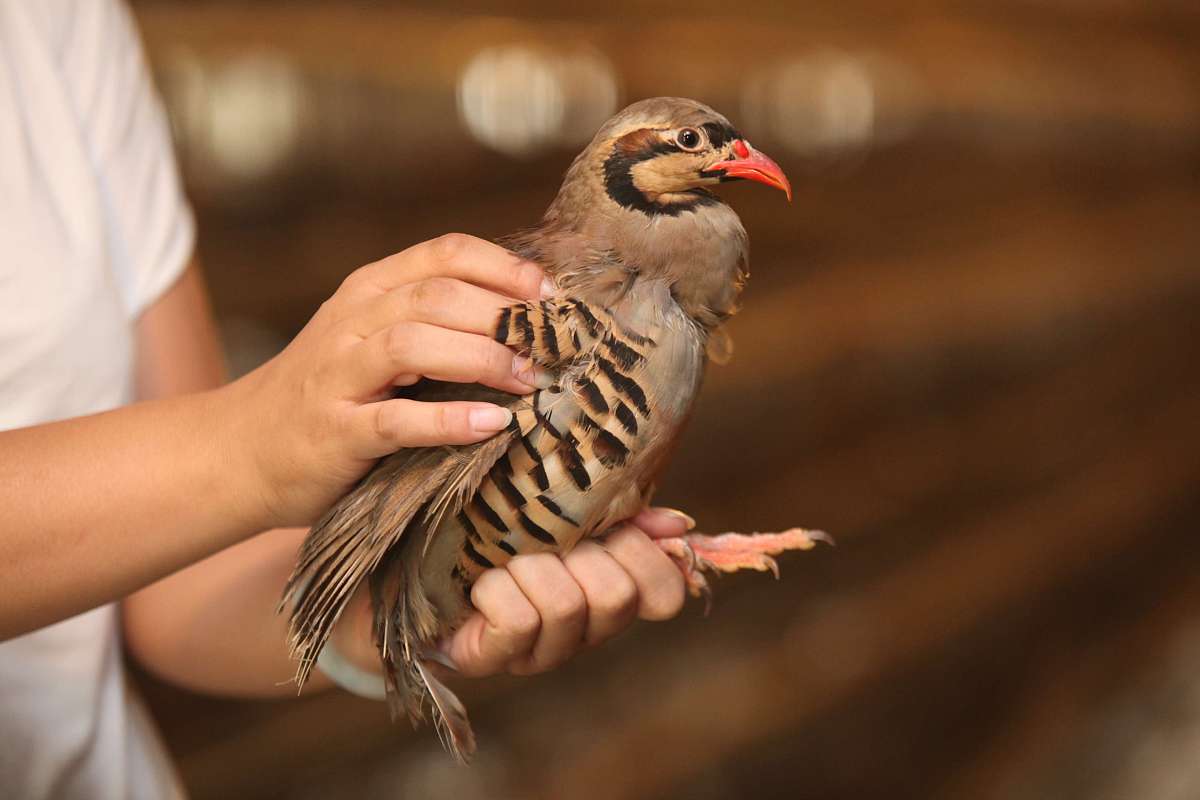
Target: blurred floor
{"points": [[969, 350]]}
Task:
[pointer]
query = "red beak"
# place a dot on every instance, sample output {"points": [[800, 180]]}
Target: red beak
{"points": [[752, 165]]}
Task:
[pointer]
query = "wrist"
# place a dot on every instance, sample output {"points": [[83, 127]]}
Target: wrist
{"points": [[238, 430]]}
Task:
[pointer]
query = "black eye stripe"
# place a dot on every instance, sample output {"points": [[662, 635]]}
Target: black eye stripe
{"points": [[720, 135], [618, 167]]}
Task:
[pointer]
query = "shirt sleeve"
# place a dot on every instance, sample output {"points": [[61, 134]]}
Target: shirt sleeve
{"points": [[150, 227]]}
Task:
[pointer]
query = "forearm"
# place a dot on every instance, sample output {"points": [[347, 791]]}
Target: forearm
{"points": [[94, 508], [213, 627]]}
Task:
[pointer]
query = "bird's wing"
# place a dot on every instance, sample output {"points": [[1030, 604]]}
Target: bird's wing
{"points": [[418, 487], [351, 539]]}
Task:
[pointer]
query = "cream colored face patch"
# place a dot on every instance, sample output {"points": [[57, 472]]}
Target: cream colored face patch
{"points": [[662, 176]]}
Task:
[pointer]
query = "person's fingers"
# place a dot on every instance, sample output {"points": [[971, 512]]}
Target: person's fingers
{"points": [[378, 429], [561, 606], [611, 594], [659, 582], [662, 523], [447, 302], [504, 629], [417, 348], [457, 255]]}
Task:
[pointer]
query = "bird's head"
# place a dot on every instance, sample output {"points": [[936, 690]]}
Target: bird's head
{"points": [[659, 156], [637, 202]]}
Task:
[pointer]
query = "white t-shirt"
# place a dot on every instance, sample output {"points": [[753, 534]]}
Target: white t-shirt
{"points": [[93, 228]]}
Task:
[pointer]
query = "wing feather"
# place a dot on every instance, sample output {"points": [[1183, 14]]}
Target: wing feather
{"points": [[352, 538]]}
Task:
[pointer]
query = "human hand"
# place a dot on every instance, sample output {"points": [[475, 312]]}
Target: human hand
{"points": [[539, 610], [318, 415]]}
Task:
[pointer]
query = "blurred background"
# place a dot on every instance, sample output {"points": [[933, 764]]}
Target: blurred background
{"points": [[969, 350]]}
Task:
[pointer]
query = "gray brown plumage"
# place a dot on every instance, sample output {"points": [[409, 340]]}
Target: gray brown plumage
{"points": [[648, 264]]}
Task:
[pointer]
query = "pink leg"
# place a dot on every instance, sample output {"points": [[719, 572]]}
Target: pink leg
{"points": [[695, 553]]}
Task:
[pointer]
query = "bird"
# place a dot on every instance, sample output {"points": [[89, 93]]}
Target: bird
{"points": [[648, 264]]}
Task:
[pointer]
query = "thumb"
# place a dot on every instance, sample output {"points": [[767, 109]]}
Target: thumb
{"points": [[386, 426]]}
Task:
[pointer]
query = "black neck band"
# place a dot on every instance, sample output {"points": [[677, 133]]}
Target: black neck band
{"points": [[618, 182]]}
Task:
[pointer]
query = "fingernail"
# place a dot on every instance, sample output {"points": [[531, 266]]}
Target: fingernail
{"points": [[686, 519], [525, 370], [549, 287], [489, 419]]}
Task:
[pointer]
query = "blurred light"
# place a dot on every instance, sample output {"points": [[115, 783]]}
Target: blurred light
{"points": [[512, 99], [518, 99], [830, 103], [589, 84], [242, 118], [254, 120], [816, 104]]}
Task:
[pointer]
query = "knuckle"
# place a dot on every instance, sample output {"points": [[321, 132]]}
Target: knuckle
{"points": [[447, 247], [340, 332], [494, 359], [433, 292], [528, 278], [351, 282], [328, 308], [485, 359], [522, 625], [399, 342], [616, 599], [386, 422], [445, 423], [568, 607]]}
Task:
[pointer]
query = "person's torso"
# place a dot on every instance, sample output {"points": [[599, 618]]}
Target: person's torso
{"points": [[65, 341], [69, 725]]}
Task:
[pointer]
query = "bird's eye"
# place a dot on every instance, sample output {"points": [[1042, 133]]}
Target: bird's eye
{"points": [[689, 139]]}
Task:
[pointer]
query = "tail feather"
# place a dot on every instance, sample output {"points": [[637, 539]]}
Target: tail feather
{"points": [[379, 532], [449, 716], [349, 542], [401, 611]]}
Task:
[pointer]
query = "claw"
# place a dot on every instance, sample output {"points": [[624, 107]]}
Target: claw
{"points": [[822, 537], [693, 559], [684, 556], [707, 592]]}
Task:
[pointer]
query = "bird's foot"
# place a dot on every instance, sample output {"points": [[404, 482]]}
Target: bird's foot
{"points": [[696, 553], [684, 556]]}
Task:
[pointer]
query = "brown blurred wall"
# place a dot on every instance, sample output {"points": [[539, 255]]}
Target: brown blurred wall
{"points": [[968, 349]]}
